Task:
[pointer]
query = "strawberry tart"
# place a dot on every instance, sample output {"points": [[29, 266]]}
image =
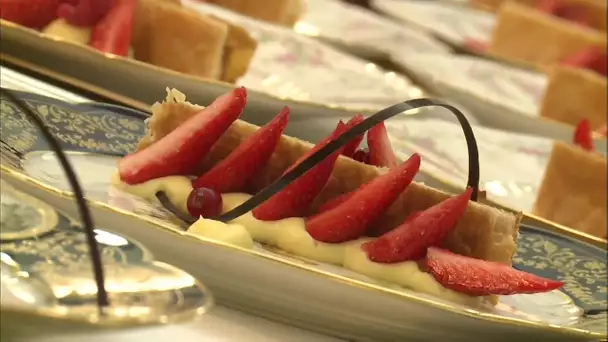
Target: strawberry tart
{"points": [[573, 190], [354, 208], [200, 45], [544, 35]]}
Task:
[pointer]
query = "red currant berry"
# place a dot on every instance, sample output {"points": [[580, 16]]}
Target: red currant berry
{"points": [[204, 202], [361, 156]]}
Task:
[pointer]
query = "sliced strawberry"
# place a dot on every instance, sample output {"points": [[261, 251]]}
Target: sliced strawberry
{"points": [[231, 174], [295, 199], [334, 202], [112, 33], [351, 147], [362, 156], [34, 14], [582, 135], [180, 151], [410, 240], [591, 58], [380, 150], [481, 278], [85, 13], [350, 219]]}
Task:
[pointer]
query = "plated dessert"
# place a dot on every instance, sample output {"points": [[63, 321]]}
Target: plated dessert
{"points": [[542, 36], [201, 45], [573, 190], [354, 208], [282, 12]]}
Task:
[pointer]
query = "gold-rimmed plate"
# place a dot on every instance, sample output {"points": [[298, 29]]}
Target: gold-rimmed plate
{"points": [[305, 293]]}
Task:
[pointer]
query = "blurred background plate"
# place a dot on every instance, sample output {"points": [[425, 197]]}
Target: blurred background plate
{"points": [[292, 66], [363, 32], [453, 23], [499, 96]]}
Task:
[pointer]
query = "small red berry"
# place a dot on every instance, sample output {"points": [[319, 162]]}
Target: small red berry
{"points": [[204, 202], [361, 156]]}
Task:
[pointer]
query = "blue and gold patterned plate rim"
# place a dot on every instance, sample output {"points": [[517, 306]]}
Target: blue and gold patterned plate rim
{"points": [[19, 176]]}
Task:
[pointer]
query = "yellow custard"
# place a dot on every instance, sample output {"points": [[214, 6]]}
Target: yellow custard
{"points": [[61, 29], [290, 235]]}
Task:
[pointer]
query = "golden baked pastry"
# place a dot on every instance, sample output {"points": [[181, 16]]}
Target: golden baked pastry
{"points": [[282, 12], [593, 11], [574, 94], [170, 36], [573, 190], [524, 34]]}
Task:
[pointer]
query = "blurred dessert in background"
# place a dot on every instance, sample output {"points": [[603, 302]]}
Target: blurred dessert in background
{"points": [[541, 36], [282, 12], [159, 32], [574, 94], [573, 190], [590, 12]]}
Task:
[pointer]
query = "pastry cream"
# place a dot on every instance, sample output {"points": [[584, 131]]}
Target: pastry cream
{"points": [[60, 28], [290, 235]]}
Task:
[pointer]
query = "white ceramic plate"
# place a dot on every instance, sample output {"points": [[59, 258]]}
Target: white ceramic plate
{"points": [[451, 22], [289, 65], [363, 31]]}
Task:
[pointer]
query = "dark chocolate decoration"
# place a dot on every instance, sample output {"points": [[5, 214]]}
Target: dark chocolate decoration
{"points": [[361, 128], [166, 202], [85, 214]]}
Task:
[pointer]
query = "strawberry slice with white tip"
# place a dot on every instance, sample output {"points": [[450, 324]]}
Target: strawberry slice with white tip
{"points": [[380, 150], [233, 172], [295, 199], [426, 228], [179, 152], [350, 219], [481, 278]]}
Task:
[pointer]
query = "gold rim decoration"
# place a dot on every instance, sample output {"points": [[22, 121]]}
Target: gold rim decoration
{"points": [[446, 306]]}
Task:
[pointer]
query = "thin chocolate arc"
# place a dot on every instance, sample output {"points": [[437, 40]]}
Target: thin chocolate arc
{"points": [[85, 214], [361, 128]]}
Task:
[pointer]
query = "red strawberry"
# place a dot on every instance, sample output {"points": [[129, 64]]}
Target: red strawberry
{"points": [[380, 150], [85, 13], [481, 278], [582, 135], [334, 202], [231, 174], [295, 199], [34, 14], [410, 240], [349, 220], [351, 147], [180, 151], [113, 32], [591, 58], [361, 156]]}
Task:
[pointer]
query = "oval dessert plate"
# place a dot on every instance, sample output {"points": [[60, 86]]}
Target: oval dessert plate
{"points": [[297, 290], [452, 23], [363, 32]]}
